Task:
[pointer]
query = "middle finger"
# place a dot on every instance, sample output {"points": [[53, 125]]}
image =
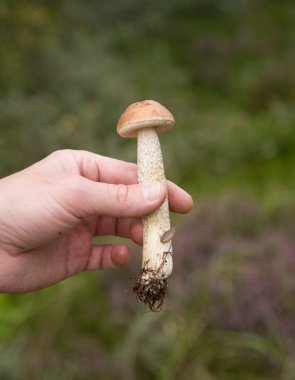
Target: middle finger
{"points": [[130, 228]]}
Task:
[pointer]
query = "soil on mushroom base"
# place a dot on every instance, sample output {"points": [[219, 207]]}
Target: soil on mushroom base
{"points": [[150, 288]]}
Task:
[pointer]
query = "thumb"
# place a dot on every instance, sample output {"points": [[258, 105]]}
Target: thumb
{"points": [[118, 200]]}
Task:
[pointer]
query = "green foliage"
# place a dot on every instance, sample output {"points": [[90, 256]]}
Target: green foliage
{"points": [[225, 69]]}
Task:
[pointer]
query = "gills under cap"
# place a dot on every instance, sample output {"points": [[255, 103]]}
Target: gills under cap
{"points": [[145, 114]]}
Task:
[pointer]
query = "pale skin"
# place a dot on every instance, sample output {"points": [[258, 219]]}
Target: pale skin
{"points": [[50, 212]]}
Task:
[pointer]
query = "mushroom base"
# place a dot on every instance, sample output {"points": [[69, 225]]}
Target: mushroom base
{"points": [[151, 289]]}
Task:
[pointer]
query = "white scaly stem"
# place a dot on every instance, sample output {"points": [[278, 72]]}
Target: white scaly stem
{"points": [[157, 256]]}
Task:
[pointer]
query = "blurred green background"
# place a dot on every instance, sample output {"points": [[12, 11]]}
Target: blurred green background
{"points": [[226, 71]]}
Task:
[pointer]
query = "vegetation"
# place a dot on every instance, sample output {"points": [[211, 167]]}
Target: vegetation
{"points": [[225, 70]]}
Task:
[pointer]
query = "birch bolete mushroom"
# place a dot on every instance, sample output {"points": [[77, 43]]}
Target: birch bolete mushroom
{"points": [[145, 120]]}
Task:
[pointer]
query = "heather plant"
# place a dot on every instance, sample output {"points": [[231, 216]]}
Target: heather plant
{"points": [[247, 259], [229, 312]]}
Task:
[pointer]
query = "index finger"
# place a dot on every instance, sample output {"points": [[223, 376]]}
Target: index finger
{"points": [[116, 171], [105, 169], [179, 200]]}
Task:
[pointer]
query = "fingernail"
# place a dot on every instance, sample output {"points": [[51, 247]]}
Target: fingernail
{"points": [[151, 192]]}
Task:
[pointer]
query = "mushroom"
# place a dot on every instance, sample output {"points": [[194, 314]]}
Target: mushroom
{"points": [[145, 120]]}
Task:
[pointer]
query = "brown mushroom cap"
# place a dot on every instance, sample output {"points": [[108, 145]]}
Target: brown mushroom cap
{"points": [[147, 113]]}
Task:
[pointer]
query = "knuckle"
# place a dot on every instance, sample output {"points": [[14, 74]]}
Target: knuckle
{"points": [[61, 153], [122, 194]]}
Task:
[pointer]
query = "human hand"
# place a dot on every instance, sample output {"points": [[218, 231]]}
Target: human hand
{"points": [[50, 212]]}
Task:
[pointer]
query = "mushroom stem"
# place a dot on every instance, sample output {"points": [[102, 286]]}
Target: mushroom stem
{"points": [[157, 256]]}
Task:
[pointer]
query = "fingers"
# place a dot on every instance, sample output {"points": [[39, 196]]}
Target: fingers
{"points": [[116, 171], [92, 198], [179, 200], [105, 169], [119, 172], [107, 256], [130, 228], [108, 170], [87, 164]]}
